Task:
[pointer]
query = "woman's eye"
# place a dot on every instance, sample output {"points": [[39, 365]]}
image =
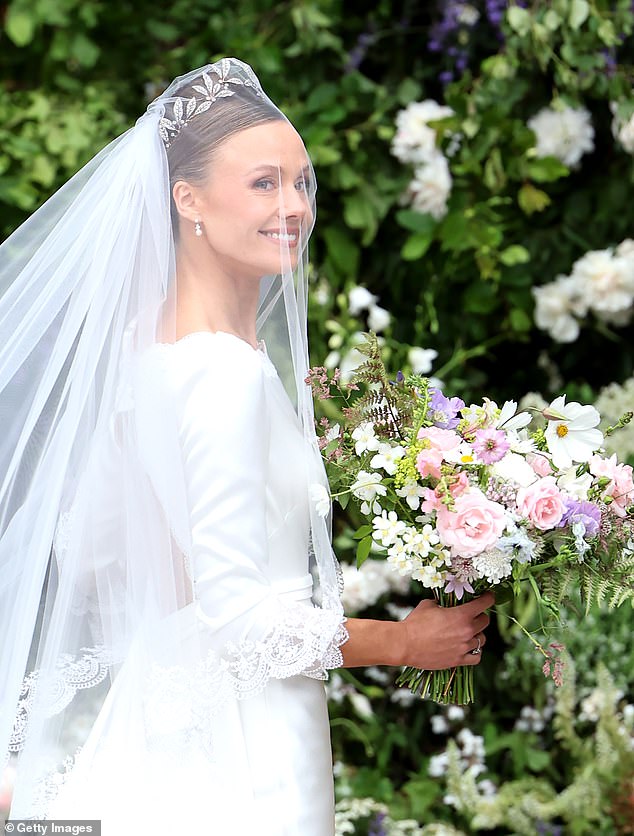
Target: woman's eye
{"points": [[263, 185], [303, 185]]}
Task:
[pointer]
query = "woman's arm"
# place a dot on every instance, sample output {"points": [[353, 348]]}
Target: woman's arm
{"points": [[430, 638]]}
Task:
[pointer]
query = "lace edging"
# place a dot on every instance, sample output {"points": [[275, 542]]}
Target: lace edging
{"points": [[183, 702]]}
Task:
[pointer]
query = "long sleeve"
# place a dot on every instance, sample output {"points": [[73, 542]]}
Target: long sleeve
{"points": [[224, 424]]}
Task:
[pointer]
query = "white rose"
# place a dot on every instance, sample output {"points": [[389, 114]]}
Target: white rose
{"points": [[415, 141], [514, 468], [430, 189], [623, 129], [577, 486], [555, 308], [606, 280], [566, 134]]}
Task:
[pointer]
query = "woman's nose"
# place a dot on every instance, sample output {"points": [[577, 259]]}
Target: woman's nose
{"points": [[294, 202]]}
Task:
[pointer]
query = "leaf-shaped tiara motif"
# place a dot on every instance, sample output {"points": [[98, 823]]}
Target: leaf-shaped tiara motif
{"points": [[212, 89]]}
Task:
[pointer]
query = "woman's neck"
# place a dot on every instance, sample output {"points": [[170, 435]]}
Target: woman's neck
{"points": [[210, 300]]}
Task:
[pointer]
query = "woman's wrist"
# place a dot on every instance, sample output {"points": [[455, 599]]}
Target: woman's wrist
{"points": [[373, 642]]}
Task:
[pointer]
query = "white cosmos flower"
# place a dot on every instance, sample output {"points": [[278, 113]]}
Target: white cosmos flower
{"points": [[421, 359], [571, 434], [360, 299], [320, 496], [387, 458], [520, 442], [566, 134], [429, 191], [364, 438], [508, 420], [378, 318]]}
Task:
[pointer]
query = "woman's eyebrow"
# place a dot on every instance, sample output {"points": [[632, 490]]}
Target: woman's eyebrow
{"points": [[273, 167]]}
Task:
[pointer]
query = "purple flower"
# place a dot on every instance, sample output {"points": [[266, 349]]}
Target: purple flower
{"points": [[457, 586], [490, 444], [376, 825], [581, 511], [443, 411]]}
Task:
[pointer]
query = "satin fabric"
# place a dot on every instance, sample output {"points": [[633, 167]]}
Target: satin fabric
{"points": [[261, 764]]}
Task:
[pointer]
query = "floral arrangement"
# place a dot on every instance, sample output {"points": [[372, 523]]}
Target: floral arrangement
{"points": [[463, 498]]}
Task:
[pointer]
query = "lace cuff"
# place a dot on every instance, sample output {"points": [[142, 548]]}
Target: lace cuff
{"points": [[304, 640]]}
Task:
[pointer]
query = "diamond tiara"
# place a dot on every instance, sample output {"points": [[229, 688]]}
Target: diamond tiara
{"points": [[184, 110]]}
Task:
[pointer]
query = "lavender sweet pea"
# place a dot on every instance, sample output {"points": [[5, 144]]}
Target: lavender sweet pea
{"points": [[443, 411], [582, 511]]}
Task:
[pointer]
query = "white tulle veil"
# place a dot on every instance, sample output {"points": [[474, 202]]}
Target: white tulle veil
{"points": [[94, 582]]}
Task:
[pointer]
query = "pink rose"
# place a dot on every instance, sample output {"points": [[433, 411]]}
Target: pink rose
{"points": [[621, 485], [473, 526], [539, 463], [429, 460], [542, 502], [428, 463]]}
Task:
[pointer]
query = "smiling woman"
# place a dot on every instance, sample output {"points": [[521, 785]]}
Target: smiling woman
{"points": [[170, 599]]}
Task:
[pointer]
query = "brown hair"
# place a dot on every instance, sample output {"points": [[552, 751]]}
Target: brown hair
{"points": [[191, 151]]}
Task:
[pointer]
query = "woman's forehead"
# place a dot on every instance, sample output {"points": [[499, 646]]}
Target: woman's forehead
{"points": [[273, 144]]}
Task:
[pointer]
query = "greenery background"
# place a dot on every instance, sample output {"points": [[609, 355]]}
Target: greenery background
{"points": [[75, 73]]}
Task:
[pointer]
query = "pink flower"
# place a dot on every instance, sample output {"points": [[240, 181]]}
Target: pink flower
{"points": [[621, 485], [428, 463], [474, 525], [539, 463], [490, 445], [542, 502], [440, 441]]}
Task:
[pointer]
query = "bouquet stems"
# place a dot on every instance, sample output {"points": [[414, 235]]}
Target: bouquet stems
{"points": [[451, 686]]}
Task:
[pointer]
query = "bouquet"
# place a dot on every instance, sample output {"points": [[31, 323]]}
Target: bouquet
{"points": [[464, 498]]}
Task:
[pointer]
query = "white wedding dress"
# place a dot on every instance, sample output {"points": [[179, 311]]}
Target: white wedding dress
{"points": [[188, 745]]}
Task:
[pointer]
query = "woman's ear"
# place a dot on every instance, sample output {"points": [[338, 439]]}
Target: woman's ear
{"points": [[185, 200]]}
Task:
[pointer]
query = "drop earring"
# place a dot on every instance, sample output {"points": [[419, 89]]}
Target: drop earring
{"points": [[198, 230]]}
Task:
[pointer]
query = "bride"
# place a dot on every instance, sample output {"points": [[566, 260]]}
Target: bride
{"points": [[169, 599]]}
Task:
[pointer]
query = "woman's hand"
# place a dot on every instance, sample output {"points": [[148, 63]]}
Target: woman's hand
{"points": [[430, 638], [438, 637]]}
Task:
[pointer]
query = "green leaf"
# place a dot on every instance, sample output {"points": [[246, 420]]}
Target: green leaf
{"points": [[363, 551], [520, 320], [362, 532], [85, 51], [546, 169], [579, 11], [19, 26], [519, 19], [552, 21], [532, 200], [342, 251], [416, 245], [415, 221], [515, 254]]}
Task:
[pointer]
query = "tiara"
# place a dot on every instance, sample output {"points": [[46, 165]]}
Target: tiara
{"points": [[215, 88]]}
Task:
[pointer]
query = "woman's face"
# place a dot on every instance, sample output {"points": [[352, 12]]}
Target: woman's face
{"points": [[255, 208]]}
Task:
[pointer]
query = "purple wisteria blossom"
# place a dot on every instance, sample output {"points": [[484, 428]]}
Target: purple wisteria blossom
{"points": [[457, 586], [581, 511], [376, 827], [443, 411], [490, 445]]}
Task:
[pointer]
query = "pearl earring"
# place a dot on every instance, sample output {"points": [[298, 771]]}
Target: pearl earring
{"points": [[197, 228]]}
